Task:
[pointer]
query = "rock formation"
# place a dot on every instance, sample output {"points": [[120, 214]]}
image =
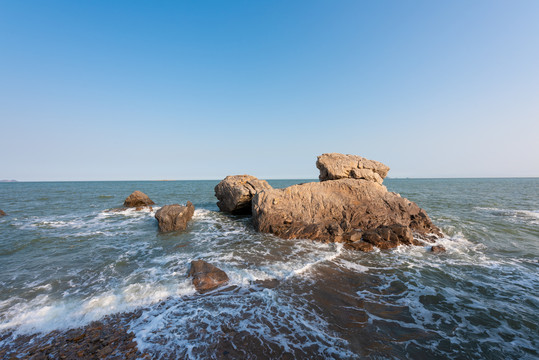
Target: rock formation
{"points": [[2, 213], [206, 277], [358, 212], [338, 166], [138, 199], [236, 192], [174, 217]]}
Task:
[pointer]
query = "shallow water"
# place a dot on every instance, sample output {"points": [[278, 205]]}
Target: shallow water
{"points": [[65, 261]]}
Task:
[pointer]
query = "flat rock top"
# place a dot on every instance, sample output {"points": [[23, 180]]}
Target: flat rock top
{"points": [[138, 198], [336, 166]]}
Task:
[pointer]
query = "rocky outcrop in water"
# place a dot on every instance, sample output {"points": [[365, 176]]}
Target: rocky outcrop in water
{"points": [[236, 192], [174, 217], [138, 199], [2, 213], [359, 212], [339, 166], [206, 277]]}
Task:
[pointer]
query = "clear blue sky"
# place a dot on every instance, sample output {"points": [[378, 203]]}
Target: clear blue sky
{"points": [[114, 90]]}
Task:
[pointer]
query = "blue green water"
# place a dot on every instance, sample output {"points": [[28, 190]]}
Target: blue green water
{"points": [[65, 261]]}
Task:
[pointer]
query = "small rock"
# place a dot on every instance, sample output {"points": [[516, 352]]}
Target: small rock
{"points": [[437, 249], [174, 217], [138, 199], [2, 213], [353, 236], [206, 277]]}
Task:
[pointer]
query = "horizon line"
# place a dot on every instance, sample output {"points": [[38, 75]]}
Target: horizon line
{"points": [[387, 178]]}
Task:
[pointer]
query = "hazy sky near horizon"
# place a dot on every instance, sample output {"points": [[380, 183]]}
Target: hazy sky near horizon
{"points": [[126, 90]]}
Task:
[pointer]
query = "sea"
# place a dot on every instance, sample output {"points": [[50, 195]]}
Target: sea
{"points": [[67, 260]]}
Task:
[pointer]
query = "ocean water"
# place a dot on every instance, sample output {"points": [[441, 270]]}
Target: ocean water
{"points": [[65, 261]]}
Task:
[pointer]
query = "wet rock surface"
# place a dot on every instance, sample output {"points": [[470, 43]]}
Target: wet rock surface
{"points": [[174, 217], [234, 193], [105, 339], [138, 199], [2, 213], [206, 276]]}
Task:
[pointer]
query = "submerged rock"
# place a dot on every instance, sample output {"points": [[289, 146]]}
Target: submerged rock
{"points": [[359, 212], [336, 166], [236, 192], [437, 249], [138, 199], [2, 213], [174, 217], [206, 277]]}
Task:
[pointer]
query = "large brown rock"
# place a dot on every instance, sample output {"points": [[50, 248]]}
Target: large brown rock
{"points": [[2, 213], [138, 199], [236, 192], [206, 277], [336, 166], [174, 217], [342, 210]]}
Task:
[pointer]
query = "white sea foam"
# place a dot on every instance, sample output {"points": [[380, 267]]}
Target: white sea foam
{"points": [[243, 311], [519, 215], [43, 313], [129, 212], [354, 266]]}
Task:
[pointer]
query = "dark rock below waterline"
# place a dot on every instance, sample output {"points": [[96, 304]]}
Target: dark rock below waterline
{"points": [[206, 277], [174, 217], [437, 249], [236, 192], [138, 199], [387, 237]]}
